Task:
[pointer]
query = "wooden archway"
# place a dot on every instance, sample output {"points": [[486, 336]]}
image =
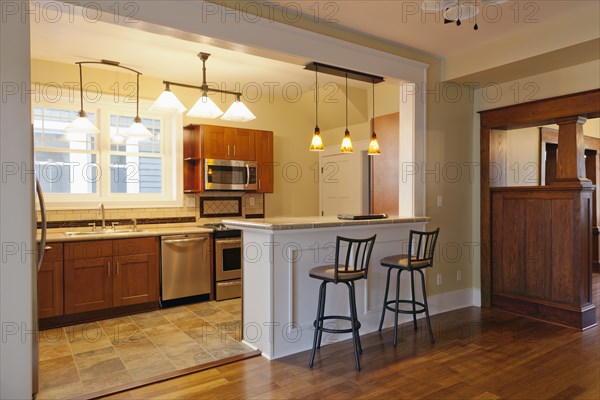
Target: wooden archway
{"points": [[535, 241]]}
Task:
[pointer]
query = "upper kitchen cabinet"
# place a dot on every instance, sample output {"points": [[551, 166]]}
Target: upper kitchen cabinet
{"points": [[223, 143], [264, 158], [193, 167]]}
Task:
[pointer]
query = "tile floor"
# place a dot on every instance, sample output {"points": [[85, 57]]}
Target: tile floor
{"points": [[86, 358]]}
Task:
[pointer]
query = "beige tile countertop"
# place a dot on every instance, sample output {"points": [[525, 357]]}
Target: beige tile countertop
{"points": [[58, 235], [287, 223]]}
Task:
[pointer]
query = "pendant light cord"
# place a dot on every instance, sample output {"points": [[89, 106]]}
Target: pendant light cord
{"points": [[81, 89], [137, 101], [373, 106], [316, 97], [346, 102]]}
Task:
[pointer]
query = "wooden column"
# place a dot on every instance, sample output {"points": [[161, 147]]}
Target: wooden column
{"points": [[570, 168]]}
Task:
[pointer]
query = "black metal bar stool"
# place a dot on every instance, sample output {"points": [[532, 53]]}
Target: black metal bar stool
{"points": [[354, 267], [421, 246]]}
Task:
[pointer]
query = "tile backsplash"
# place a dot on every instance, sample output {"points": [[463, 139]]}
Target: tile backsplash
{"points": [[252, 204]]}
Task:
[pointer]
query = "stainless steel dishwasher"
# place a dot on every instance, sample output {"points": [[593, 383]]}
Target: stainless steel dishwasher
{"points": [[185, 266]]}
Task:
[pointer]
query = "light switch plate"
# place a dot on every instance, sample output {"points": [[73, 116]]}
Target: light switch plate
{"points": [[440, 201], [190, 201], [251, 201]]}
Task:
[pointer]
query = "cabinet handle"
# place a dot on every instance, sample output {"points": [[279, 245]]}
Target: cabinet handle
{"points": [[47, 247], [259, 184], [234, 150], [227, 149], [108, 268], [117, 268]]}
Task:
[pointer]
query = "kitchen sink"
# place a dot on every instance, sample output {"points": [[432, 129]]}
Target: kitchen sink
{"points": [[103, 232]]}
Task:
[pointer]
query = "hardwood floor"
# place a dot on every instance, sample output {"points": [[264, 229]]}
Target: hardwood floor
{"points": [[479, 354]]}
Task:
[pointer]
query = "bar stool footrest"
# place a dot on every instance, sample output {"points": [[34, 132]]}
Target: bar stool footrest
{"points": [[333, 330], [393, 308]]}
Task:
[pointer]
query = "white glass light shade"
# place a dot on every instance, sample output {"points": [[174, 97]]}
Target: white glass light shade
{"points": [[347, 143], [316, 143], [238, 112], [373, 146], [167, 101], [81, 125], [205, 108], [137, 130]]}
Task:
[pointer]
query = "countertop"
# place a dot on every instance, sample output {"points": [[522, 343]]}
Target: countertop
{"points": [[287, 223], [58, 235]]}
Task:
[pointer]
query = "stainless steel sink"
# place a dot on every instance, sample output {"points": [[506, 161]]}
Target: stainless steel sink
{"points": [[103, 232]]}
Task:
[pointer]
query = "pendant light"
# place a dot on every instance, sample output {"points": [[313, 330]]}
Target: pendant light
{"points": [[346, 142], [81, 124], [137, 130], [316, 144], [168, 102], [238, 112], [373, 143], [204, 106]]}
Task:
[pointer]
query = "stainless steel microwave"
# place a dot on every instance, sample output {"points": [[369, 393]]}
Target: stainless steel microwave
{"points": [[229, 175]]}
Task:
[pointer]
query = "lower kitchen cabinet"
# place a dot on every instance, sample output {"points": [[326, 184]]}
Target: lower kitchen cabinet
{"points": [[50, 282], [136, 280], [110, 273]]}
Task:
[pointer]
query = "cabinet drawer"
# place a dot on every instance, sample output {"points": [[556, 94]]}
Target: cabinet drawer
{"points": [[126, 247], [91, 249]]}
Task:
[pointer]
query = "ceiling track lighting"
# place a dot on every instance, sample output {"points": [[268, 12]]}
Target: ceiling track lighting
{"points": [[346, 147], [83, 125], [204, 107]]}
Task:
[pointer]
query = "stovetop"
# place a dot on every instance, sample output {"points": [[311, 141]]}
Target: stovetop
{"points": [[221, 231]]}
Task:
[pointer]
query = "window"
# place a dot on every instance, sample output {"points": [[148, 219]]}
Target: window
{"points": [[81, 170]]}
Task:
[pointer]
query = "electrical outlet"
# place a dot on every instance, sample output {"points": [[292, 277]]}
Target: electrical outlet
{"points": [[251, 201], [440, 201], [190, 201], [439, 279], [458, 275]]}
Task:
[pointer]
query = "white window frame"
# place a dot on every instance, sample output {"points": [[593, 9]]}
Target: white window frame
{"points": [[171, 150]]}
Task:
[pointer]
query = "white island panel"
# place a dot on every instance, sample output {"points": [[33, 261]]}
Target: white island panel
{"points": [[279, 297]]}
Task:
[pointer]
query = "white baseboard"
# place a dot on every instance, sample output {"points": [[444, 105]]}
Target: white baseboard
{"points": [[444, 302]]}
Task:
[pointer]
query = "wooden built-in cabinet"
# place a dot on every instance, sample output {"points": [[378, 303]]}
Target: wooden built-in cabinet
{"points": [[109, 273], [50, 282], [224, 143], [264, 160]]}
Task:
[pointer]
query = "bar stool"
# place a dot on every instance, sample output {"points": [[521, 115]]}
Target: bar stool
{"points": [[354, 267], [421, 246]]}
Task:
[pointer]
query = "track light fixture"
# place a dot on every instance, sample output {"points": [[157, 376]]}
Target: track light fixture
{"points": [[346, 147], [83, 125], [204, 107]]}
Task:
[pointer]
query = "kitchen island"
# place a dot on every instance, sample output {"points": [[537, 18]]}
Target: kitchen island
{"points": [[280, 299]]}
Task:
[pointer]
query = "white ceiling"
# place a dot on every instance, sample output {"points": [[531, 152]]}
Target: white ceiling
{"points": [[405, 23], [176, 60]]}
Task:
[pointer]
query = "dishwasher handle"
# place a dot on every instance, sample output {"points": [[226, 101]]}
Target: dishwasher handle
{"points": [[176, 241]]}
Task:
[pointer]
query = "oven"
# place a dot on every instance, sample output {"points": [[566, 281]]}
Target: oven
{"points": [[227, 251]]}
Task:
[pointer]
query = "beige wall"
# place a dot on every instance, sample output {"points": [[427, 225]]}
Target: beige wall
{"points": [[522, 157]]}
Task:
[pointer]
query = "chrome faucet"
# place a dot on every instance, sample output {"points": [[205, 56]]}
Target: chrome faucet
{"points": [[101, 210]]}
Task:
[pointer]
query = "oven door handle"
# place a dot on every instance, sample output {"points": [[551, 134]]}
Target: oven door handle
{"points": [[184, 240], [247, 174], [228, 241]]}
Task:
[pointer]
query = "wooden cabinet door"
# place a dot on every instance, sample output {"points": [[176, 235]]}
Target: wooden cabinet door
{"points": [[264, 159], [217, 142], [385, 175], [135, 280], [88, 284], [243, 146], [136, 275], [50, 282]]}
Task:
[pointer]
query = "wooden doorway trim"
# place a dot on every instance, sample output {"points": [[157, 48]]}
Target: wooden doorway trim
{"points": [[525, 115]]}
